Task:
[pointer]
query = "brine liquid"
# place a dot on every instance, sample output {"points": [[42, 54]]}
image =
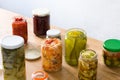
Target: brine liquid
{"points": [[75, 41]]}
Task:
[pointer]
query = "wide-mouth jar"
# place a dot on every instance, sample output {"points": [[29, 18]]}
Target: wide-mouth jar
{"points": [[75, 41], [111, 52]]}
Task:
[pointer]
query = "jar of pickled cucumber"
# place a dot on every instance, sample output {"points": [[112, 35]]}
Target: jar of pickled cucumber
{"points": [[52, 54], [111, 52], [13, 56], [75, 41], [87, 65]]}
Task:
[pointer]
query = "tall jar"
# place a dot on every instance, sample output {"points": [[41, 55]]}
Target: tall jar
{"points": [[87, 65], [19, 27], [52, 55], [111, 52], [75, 41], [13, 56], [41, 21]]}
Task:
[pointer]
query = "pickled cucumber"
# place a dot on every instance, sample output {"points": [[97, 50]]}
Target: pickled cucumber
{"points": [[75, 41]]}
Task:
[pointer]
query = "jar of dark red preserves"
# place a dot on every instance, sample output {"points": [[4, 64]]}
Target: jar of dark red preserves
{"points": [[41, 21], [19, 27]]}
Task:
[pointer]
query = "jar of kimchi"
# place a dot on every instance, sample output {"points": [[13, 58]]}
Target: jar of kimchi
{"points": [[19, 27], [52, 54]]}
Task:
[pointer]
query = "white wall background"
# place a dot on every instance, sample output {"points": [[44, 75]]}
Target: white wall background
{"points": [[100, 18]]}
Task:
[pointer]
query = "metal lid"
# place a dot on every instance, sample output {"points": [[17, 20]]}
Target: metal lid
{"points": [[41, 12], [112, 45], [12, 42], [53, 32]]}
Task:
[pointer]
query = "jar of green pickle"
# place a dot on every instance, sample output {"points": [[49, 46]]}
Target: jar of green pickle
{"points": [[13, 56], [111, 52], [87, 65], [75, 41]]}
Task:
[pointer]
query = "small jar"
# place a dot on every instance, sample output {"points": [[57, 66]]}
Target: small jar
{"points": [[41, 21], [111, 52], [53, 33], [13, 56], [87, 65], [75, 41], [39, 75], [52, 55], [19, 27]]}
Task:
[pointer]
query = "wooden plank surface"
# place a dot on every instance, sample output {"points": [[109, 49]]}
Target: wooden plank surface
{"points": [[67, 72]]}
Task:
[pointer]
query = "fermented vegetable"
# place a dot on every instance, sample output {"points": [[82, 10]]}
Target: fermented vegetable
{"points": [[75, 41], [87, 65], [52, 54], [13, 58]]}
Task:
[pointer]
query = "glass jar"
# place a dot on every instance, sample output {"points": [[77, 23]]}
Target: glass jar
{"points": [[75, 41], [13, 56], [41, 21], [111, 52], [87, 65], [53, 33], [19, 27], [52, 54]]}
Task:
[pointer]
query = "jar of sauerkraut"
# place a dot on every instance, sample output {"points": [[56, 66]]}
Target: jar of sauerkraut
{"points": [[52, 54], [13, 56], [87, 65], [75, 41]]}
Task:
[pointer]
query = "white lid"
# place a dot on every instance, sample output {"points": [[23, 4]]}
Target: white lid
{"points": [[53, 32], [32, 54], [12, 42], [41, 12]]}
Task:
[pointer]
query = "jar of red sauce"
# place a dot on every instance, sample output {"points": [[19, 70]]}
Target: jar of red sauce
{"points": [[19, 27], [41, 21]]}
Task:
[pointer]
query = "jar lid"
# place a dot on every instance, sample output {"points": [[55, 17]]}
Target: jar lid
{"points": [[39, 75], [53, 32], [12, 42], [41, 12], [112, 45]]}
